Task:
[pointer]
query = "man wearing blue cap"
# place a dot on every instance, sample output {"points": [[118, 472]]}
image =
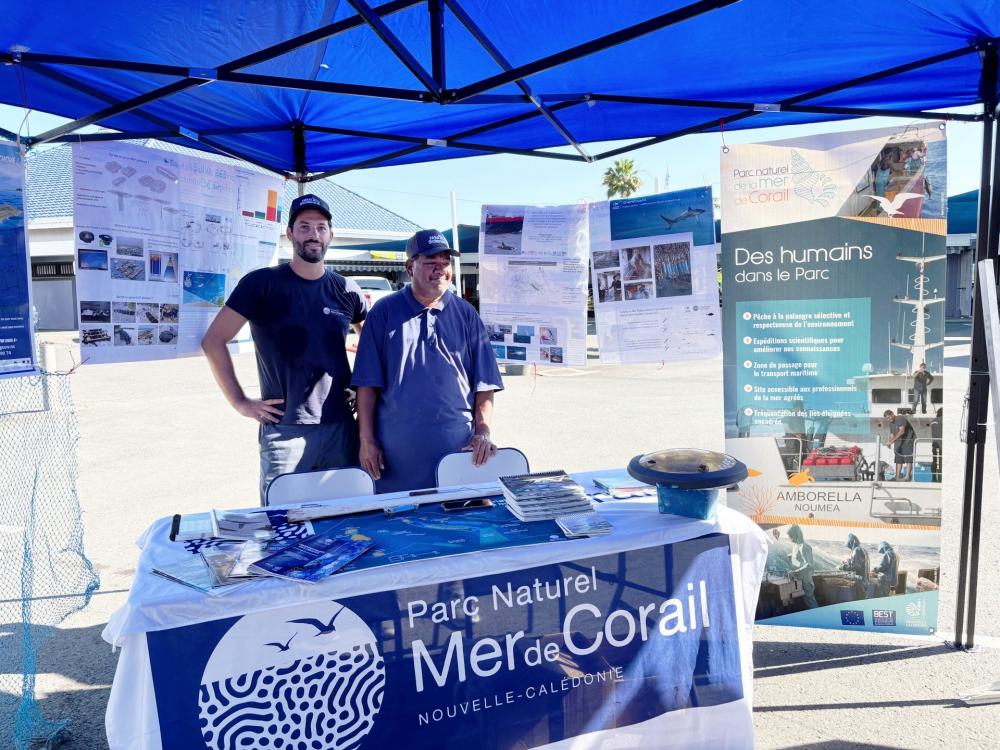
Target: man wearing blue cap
{"points": [[425, 374], [299, 316]]}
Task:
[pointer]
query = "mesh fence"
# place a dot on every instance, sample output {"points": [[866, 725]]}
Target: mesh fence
{"points": [[44, 574]]}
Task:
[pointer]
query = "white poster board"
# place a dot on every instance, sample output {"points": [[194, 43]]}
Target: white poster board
{"points": [[656, 291], [161, 240], [533, 283]]}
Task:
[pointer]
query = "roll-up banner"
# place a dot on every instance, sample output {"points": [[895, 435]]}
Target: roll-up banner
{"points": [[833, 262], [17, 337]]}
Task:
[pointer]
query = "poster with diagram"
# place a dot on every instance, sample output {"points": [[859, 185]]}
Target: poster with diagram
{"points": [[161, 240], [17, 337], [656, 292], [533, 283]]}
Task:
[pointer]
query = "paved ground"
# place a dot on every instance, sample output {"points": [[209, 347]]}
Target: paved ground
{"points": [[157, 439]]}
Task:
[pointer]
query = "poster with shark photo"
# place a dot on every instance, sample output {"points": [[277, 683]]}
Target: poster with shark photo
{"points": [[653, 275], [833, 264], [17, 337]]}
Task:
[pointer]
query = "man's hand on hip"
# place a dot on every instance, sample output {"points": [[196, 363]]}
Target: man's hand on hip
{"points": [[482, 448], [265, 411], [371, 457]]}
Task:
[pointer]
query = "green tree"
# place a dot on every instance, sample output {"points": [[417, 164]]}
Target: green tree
{"points": [[621, 179]]}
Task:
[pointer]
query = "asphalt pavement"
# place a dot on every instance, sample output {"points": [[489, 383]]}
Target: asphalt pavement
{"points": [[158, 439]]}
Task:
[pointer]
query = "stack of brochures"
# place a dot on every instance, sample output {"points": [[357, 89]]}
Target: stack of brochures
{"points": [[584, 524], [544, 496], [311, 559]]}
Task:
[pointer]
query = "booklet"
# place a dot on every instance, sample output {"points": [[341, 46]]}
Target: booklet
{"points": [[190, 526], [584, 524], [622, 485], [311, 559], [241, 525]]}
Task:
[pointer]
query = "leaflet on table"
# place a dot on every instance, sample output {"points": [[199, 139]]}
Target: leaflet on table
{"points": [[312, 559], [17, 335], [161, 239], [533, 283], [833, 262], [655, 288]]}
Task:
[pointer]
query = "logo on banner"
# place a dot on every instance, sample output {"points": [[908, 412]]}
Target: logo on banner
{"points": [[316, 674], [854, 617], [884, 617], [915, 614]]}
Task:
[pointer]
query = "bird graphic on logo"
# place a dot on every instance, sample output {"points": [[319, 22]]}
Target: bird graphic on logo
{"points": [[321, 627], [811, 185], [800, 477], [283, 646], [892, 207]]}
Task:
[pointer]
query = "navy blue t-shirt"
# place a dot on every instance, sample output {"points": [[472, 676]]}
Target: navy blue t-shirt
{"points": [[299, 329]]}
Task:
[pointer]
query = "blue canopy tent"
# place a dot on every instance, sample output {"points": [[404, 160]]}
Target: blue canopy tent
{"points": [[323, 87]]}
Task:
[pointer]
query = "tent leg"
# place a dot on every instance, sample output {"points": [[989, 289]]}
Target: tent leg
{"points": [[979, 375]]}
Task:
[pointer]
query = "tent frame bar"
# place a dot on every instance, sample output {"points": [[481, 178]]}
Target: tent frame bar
{"points": [[397, 47], [498, 57], [978, 46], [987, 235], [588, 48]]}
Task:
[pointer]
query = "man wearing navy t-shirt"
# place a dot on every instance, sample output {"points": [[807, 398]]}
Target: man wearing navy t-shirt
{"points": [[299, 315], [425, 374]]}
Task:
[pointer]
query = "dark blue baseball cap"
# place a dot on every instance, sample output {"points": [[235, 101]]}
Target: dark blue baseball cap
{"points": [[428, 242], [305, 203]]}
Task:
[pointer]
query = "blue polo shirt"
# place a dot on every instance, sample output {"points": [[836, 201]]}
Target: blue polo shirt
{"points": [[428, 364]]}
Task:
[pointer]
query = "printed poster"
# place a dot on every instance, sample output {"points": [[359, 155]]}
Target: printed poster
{"points": [[833, 261], [650, 642], [162, 238], [533, 283], [17, 334], [654, 280]]}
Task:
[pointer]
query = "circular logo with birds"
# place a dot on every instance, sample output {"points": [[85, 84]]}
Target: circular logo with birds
{"points": [[296, 678]]}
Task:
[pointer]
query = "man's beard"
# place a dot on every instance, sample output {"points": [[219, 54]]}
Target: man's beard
{"points": [[314, 253]]}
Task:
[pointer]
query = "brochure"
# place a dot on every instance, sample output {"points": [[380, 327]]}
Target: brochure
{"points": [[584, 524], [544, 496], [622, 485], [191, 526], [194, 573], [241, 525], [311, 559]]}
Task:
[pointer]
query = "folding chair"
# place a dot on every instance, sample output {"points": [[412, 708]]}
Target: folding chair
{"points": [[319, 485], [457, 468]]}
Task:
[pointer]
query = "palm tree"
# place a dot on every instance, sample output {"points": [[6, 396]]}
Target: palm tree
{"points": [[621, 179]]}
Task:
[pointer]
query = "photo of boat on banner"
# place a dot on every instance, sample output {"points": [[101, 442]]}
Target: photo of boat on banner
{"points": [[502, 234]]}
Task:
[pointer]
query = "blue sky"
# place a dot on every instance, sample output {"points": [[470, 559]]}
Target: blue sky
{"points": [[420, 192]]}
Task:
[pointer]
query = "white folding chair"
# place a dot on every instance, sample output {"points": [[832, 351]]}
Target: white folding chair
{"points": [[457, 468], [319, 485]]}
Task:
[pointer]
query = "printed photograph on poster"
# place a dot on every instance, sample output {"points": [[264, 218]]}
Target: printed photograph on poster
{"points": [[147, 335], [129, 246], [125, 336], [666, 213], [672, 266], [167, 335], [168, 313], [162, 266], [609, 286], [128, 269], [635, 260], [147, 312], [604, 259], [502, 234], [204, 289], [92, 260], [95, 336], [123, 312], [95, 311], [526, 342], [808, 568]]}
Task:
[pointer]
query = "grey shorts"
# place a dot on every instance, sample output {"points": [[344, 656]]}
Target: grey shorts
{"points": [[293, 448]]}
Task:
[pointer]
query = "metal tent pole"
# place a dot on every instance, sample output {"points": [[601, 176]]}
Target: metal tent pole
{"points": [[979, 375]]}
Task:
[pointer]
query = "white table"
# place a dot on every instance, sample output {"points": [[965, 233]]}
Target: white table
{"points": [[639, 639]]}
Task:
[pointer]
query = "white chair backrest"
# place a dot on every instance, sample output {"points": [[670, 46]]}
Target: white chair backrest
{"points": [[319, 485], [457, 468]]}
